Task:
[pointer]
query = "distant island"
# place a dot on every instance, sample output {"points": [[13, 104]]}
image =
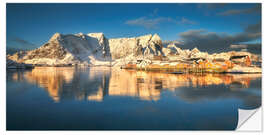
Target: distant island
{"points": [[139, 53]]}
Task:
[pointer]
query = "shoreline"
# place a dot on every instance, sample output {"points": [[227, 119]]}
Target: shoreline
{"points": [[163, 70]]}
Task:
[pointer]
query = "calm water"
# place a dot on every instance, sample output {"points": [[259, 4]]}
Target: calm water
{"points": [[103, 98]]}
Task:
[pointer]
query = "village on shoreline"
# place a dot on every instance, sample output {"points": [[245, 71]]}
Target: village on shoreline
{"points": [[139, 53]]}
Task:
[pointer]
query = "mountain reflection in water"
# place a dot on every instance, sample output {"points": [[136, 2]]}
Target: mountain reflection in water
{"points": [[97, 82], [101, 98]]}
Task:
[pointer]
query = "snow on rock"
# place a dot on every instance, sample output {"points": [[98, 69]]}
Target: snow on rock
{"points": [[103, 42], [95, 49], [16, 56], [156, 44], [144, 63], [90, 49], [196, 53], [147, 45], [121, 47], [67, 49], [144, 40]]}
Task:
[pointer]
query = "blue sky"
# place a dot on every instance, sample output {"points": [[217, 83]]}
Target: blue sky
{"points": [[31, 25]]}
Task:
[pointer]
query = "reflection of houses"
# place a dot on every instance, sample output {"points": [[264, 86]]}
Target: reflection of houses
{"points": [[95, 83]]}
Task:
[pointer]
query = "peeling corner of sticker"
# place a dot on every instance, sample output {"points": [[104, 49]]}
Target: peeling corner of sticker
{"points": [[249, 120]]}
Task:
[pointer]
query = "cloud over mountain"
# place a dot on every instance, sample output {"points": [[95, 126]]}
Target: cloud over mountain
{"points": [[213, 41], [20, 43]]}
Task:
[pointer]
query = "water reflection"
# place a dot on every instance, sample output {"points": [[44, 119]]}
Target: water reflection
{"points": [[52, 79], [95, 83]]}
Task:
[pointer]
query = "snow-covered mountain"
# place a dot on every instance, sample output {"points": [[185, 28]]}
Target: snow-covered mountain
{"points": [[96, 49], [92, 48], [66, 50]]}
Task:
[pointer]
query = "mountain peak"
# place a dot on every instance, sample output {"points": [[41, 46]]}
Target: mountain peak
{"points": [[195, 50], [156, 37], [55, 36]]}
